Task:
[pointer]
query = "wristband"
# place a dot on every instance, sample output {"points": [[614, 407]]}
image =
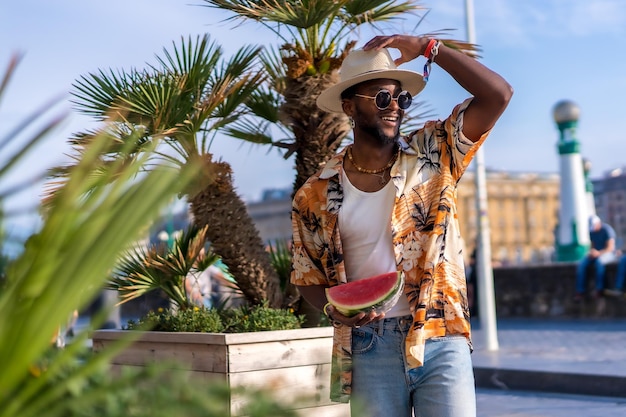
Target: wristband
{"points": [[429, 48], [432, 49]]}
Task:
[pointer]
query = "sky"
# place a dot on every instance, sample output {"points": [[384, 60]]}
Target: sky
{"points": [[548, 50]]}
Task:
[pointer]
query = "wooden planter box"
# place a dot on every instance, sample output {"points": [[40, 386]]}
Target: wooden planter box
{"points": [[292, 362]]}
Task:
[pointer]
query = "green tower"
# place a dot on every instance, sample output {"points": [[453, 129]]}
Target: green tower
{"points": [[572, 235]]}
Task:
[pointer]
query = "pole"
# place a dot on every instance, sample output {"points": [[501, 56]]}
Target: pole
{"points": [[484, 271]]}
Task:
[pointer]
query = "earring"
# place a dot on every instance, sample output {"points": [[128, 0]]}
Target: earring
{"points": [[352, 124]]}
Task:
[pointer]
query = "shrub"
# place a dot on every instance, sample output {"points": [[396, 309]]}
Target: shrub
{"points": [[196, 319], [212, 320], [260, 318]]}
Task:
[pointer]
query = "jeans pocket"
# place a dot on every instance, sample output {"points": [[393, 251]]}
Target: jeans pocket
{"points": [[363, 340], [448, 338]]}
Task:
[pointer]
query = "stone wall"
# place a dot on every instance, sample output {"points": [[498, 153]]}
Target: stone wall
{"points": [[521, 291], [548, 291]]}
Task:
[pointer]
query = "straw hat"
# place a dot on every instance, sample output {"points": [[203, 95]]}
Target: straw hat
{"points": [[360, 66]]}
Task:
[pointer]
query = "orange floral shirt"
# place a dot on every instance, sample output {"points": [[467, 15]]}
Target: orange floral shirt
{"points": [[425, 231]]}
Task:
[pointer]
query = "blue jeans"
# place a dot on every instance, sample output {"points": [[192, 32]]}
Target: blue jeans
{"points": [[621, 274], [384, 386], [581, 272]]}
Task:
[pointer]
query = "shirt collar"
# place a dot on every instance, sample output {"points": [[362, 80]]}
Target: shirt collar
{"points": [[334, 166]]}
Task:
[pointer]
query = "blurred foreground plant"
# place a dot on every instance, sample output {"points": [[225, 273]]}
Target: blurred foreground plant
{"points": [[61, 269]]}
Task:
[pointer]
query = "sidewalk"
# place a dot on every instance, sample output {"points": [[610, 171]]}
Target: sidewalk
{"points": [[573, 356]]}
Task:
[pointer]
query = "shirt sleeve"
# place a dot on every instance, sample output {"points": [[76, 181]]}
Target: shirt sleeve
{"points": [[610, 232], [443, 144], [462, 150], [306, 267]]}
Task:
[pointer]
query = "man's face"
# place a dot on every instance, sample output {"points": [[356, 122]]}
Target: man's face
{"points": [[382, 125]]}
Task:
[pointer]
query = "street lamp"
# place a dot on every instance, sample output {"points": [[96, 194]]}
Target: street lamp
{"points": [[484, 272]]}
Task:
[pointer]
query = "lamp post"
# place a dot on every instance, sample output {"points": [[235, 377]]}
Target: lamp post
{"points": [[484, 271], [572, 237]]}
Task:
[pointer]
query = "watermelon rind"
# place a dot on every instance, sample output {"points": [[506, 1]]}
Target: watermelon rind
{"points": [[379, 306]]}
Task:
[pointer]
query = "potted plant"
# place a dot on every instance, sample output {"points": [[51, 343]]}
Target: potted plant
{"points": [[167, 115], [248, 346]]}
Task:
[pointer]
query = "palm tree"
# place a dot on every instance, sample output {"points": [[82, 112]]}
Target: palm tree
{"points": [[177, 106], [315, 36]]}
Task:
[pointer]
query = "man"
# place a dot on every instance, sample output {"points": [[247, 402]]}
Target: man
{"points": [[601, 252], [387, 203]]}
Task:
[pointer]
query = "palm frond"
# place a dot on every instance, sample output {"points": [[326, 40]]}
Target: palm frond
{"points": [[280, 255], [144, 269], [358, 12], [189, 92], [295, 13], [234, 83], [124, 147], [263, 106], [265, 103], [275, 71], [415, 116], [196, 60], [251, 132], [95, 94]]}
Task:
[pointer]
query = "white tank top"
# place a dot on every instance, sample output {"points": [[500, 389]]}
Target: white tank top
{"points": [[365, 229]]}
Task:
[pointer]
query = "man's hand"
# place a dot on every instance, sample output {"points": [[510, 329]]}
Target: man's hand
{"points": [[357, 321], [410, 47]]}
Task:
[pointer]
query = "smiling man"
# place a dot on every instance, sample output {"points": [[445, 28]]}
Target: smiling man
{"points": [[388, 203]]}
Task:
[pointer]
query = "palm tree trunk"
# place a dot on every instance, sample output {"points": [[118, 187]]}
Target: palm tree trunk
{"points": [[235, 238], [318, 134]]}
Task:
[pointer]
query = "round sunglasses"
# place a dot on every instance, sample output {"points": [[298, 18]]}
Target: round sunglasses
{"points": [[383, 99]]}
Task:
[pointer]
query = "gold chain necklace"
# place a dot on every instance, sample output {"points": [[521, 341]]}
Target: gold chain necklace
{"points": [[372, 171], [380, 173]]}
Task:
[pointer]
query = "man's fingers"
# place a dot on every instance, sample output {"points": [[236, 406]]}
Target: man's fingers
{"points": [[399, 61], [378, 42]]}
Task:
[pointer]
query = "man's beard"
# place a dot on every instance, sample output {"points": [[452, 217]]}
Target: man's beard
{"points": [[376, 132], [370, 127]]}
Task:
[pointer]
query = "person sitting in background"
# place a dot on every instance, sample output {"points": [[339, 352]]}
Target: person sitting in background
{"points": [[602, 251]]}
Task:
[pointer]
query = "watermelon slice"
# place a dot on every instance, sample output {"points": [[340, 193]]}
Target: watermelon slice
{"points": [[378, 293]]}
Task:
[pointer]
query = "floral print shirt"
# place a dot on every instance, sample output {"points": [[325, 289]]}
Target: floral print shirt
{"points": [[425, 232]]}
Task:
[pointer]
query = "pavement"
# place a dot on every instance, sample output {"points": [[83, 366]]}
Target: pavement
{"points": [[499, 403], [566, 356]]}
